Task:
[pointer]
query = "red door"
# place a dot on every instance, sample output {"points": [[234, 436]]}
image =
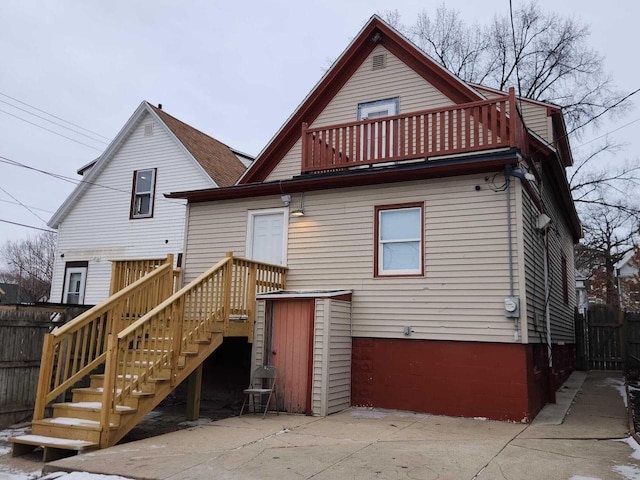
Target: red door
{"points": [[291, 341]]}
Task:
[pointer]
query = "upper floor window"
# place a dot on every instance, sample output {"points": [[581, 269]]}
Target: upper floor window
{"points": [[399, 238], [144, 184], [378, 108]]}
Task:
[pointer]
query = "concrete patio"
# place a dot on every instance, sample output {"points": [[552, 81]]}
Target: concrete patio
{"points": [[364, 443]]}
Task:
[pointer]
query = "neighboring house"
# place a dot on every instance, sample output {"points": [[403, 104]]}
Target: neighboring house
{"points": [[10, 294], [582, 292], [118, 211], [428, 231], [627, 273]]}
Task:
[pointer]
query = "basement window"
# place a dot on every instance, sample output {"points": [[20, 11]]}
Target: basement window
{"points": [[142, 195]]}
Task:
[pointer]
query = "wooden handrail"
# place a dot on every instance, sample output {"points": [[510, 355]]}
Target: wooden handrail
{"points": [[475, 126], [79, 347], [153, 345]]}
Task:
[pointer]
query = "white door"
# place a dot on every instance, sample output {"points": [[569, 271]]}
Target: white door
{"points": [[371, 111], [267, 235], [74, 283]]}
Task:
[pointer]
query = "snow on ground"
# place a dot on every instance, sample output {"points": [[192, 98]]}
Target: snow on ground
{"points": [[197, 423], [6, 434], [633, 444], [81, 476], [630, 472], [580, 477], [618, 384]]}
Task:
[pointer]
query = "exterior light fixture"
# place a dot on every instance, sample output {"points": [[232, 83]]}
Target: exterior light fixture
{"points": [[299, 212], [286, 199]]}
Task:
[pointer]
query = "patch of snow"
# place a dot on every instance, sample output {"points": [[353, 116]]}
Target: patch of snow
{"points": [[634, 389], [633, 444], [18, 475], [580, 477], [6, 434], [73, 421], [97, 405], [53, 440], [197, 423], [631, 472], [618, 384], [286, 430], [484, 419], [5, 450], [81, 476], [368, 414], [154, 414]]}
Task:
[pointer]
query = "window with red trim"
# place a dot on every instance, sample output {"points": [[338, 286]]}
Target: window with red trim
{"points": [[399, 232]]}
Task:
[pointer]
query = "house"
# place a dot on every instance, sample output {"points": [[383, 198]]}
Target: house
{"points": [[428, 232], [627, 272], [582, 292], [11, 294], [117, 211]]}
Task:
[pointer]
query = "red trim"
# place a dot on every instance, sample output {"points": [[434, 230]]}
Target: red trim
{"points": [[376, 239], [356, 178], [340, 73]]}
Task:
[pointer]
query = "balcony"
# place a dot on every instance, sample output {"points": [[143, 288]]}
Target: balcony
{"points": [[471, 127]]}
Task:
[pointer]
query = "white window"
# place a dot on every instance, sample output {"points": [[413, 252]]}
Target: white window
{"points": [[144, 183], [379, 108], [75, 278], [399, 231]]}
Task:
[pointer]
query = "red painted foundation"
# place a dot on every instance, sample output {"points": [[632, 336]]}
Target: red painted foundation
{"points": [[469, 379]]}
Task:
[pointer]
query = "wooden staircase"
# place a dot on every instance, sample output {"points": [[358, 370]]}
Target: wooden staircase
{"points": [[147, 341]]}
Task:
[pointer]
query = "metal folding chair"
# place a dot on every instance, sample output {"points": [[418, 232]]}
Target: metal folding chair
{"points": [[263, 382]]}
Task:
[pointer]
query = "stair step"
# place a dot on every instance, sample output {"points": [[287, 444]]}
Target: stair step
{"points": [[54, 442], [92, 407], [78, 423], [203, 341]]}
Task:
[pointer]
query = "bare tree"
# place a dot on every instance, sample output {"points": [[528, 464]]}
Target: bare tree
{"points": [[30, 264], [545, 55], [609, 234]]}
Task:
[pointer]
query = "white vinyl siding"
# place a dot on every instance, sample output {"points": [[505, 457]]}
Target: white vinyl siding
{"points": [[98, 229], [257, 351], [339, 357], [366, 85], [460, 296]]}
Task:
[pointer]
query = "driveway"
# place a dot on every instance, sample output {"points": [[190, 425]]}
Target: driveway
{"points": [[591, 443]]}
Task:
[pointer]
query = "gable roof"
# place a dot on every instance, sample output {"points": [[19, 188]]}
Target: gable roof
{"points": [[375, 32], [215, 160]]}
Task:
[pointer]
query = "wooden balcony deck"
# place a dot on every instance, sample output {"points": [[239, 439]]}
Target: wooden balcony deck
{"points": [[471, 127]]}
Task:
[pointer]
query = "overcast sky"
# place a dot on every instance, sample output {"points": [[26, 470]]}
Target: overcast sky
{"points": [[233, 69]]}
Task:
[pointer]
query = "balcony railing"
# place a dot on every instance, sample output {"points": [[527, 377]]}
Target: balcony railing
{"points": [[469, 127]]}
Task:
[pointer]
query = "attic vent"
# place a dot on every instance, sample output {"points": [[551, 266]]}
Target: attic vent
{"points": [[379, 61], [148, 130]]}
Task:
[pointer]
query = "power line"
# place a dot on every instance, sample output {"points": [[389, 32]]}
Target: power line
{"points": [[30, 206], [76, 181], [34, 213], [49, 130], [55, 123], [52, 115], [607, 133], [27, 226]]}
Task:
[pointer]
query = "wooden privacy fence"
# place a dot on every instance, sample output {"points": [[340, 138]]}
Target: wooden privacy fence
{"points": [[607, 339], [22, 332], [483, 125], [73, 351]]}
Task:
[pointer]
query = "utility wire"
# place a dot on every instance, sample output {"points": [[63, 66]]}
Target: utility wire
{"points": [[55, 123], [30, 206], [27, 226], [49, 130], [607, 133], [76, 181], [34, 213], [52, 115]]}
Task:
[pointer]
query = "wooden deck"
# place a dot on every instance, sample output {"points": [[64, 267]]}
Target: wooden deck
{"points": [[470, 127]]}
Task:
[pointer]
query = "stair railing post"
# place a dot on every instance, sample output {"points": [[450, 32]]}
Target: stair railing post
{"points": [[513, 118], [251, 300], [228, 284], [44, 378], [110, 371], [177, 321]]}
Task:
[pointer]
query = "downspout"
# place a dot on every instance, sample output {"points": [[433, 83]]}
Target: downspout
{"points": [[547, 306], [510, 249]]}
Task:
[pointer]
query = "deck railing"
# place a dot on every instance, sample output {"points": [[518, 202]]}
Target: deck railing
{"points": [[125, 272], [477, 126], [152, 347], [74, 350]]}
